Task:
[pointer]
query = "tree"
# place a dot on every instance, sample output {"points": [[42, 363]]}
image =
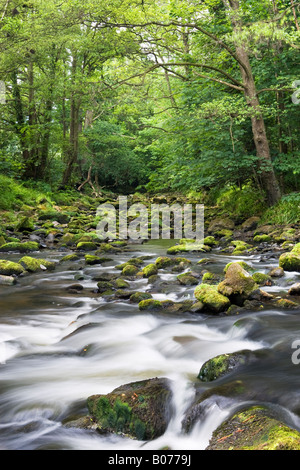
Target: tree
{"points": [[227, 27]]}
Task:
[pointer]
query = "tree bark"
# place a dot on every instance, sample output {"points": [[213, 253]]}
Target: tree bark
{"points": [[267, 173], [72, 150]]}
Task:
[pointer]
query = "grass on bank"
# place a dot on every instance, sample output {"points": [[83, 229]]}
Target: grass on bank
{"points": [[238, 203]]}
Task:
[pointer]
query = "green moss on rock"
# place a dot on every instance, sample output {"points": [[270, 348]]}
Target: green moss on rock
{"points": [[150, 270], [140, 410], [187, 279], [220, 365], [72, 257], [164, 262], [262, 279], [150, 304], [21, 247], [255, 428], [237, 285], [34, 265], [86, 246], [92, 260], [290, 262], [9, 268], [262, 238], [212, 300], [138, 297], [130, 270]]}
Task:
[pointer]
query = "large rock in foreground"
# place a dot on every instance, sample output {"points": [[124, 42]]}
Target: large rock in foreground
{"points": [[254, 429], [140, 410]]}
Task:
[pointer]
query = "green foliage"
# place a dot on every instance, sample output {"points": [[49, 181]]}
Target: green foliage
{"points": [[242, 202], [113, 158], [15, 194], [287, 211]]}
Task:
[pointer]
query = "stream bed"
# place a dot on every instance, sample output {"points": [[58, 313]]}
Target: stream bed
{"points": [[57, 348]]}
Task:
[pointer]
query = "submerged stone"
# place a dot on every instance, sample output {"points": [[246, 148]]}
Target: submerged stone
{"points": [[7, 280]]}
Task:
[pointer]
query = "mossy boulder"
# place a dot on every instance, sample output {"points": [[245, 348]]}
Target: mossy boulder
{"points": [[25, 225], [187, 279], [9, 268], [237, 285], [262, 279], [212, 300], [150, 270], [296, 249], [71, 257], [150, 304], [138, 297], [131, 262], [105, 287], [164, 262], [20, 247], [86, 246], [130, 270], [209, 277], [220, 224], [91, 260], [264, 238], [240, 246], [189, 247], [255, 428], [68, 239], [290, 262], [140, 410], [223, 364], [34, 265]]}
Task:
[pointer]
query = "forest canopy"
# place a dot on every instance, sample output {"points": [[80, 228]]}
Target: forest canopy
{"points": [[151, 95]]}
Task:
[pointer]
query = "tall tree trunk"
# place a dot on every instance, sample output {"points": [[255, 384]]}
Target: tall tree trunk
{"points": [[72, 150], [267, 173], [44, 146], [20, 122]]}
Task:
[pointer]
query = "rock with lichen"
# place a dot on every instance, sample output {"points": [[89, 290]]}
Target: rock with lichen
{"points": [[237, 285], [255, 428], [212, 300], [34, 265], [9, 268], [140, 410]]}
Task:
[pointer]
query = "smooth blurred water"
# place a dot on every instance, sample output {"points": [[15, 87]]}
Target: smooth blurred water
{"points": [[58, 348]]}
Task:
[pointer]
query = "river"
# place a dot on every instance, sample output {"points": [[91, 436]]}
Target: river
{"points": [[58, 348]]}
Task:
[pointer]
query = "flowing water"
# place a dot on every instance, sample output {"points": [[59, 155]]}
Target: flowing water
{"points": [[57, 348]]}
